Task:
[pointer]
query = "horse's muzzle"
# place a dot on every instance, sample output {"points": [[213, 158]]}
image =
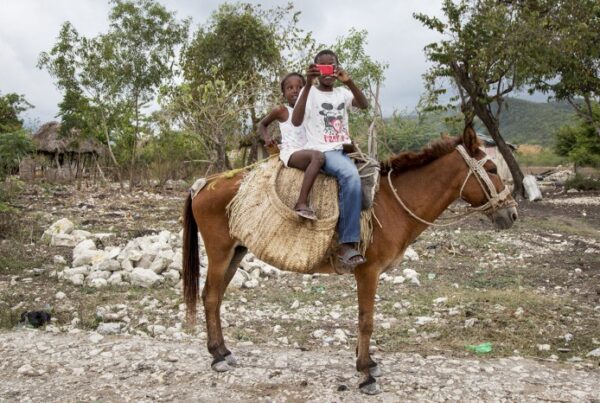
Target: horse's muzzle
{"points": [[504, 218]]}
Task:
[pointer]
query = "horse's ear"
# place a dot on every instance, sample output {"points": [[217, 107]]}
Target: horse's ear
{"points": [[470, 139]]}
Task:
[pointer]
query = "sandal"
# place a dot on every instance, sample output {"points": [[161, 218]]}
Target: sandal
{"points": [[351, 258], [307, 213]]}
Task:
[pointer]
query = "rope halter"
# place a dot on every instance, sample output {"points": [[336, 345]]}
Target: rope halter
{"points": [[495, 200]]}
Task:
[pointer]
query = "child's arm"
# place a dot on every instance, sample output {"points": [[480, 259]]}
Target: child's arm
{"points": [[300, 108], [360, 100], [276, 114]]}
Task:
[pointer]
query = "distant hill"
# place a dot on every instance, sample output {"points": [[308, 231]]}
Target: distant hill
{"points": [[521, 122], [526, 122]]}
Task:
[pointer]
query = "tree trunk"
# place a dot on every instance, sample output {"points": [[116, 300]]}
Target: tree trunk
{"points": [[134, 145], [491, 125], [110, 152]]}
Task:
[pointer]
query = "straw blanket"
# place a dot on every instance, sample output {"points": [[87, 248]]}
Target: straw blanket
{"points": [[261, 216]]}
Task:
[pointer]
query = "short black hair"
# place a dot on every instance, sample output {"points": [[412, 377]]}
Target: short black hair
{"points": [[293, 74], [327, 52]]}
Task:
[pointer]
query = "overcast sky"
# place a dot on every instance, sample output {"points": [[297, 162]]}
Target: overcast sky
{"points": [[28, 27]]}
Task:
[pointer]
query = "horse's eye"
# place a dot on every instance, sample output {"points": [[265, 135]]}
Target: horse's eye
{"points": [[493, 171]]}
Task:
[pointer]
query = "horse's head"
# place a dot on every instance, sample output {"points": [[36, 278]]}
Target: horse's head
{"points": [[483, 188]]}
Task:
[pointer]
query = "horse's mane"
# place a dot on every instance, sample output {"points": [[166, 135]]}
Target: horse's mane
{"points": [[408, 160]]}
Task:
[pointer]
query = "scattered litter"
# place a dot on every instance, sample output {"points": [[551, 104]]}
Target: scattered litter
{"points": [[480, 348]]}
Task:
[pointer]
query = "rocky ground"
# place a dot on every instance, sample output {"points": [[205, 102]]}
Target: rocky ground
{"points": [[110, 279]]}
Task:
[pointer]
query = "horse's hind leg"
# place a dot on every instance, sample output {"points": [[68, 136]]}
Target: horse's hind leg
{"points": [[222, 265], [366, 280]]}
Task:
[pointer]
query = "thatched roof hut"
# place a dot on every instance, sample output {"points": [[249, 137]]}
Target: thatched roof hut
{"points": [[48, 140]]}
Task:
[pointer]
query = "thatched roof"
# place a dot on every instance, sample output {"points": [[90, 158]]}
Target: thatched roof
{"points": [[48, 139]]}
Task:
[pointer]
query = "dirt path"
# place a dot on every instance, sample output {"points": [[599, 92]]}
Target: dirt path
{"points": [[84, 366]]}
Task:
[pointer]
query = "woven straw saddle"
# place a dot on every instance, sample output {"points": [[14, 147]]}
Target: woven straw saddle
{"points": [[261, 215]]}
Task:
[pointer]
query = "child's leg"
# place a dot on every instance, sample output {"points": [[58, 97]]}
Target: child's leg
{"points": [[310, 162], [341, 166]]}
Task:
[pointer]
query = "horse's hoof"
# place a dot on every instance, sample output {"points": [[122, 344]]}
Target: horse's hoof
{"points": [[371, 389], [221, 366], [375, 371], [231, 360], [370, 386]]}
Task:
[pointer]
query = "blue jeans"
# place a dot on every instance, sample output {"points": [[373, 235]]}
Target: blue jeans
{"points": [[342, 167]]}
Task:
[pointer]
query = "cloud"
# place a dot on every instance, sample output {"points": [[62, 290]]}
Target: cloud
{"points": [[28, 27]]}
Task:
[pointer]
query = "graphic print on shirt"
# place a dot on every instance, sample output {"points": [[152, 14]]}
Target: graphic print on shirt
{"points": [[335, 130]]}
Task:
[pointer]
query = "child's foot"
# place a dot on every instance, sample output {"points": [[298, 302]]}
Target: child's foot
{"points": [[350, 257], [306, 212]]}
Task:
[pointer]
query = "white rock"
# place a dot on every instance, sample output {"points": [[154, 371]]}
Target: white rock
{"points": [[88, 244], [519, 312], [63, 240], [109, 328], [295, 304], [157, 330], [81, 234], [440, 300], [411, 255], [98, 274], [543, 347], [27, 370], [453, 311], [251, 283], [423, 320], [95, 338], [412, 275], [594, 353], [134, 255], [143, 277], [59, 260], [470, 322], [239, 278], [146, 261], [126, 265], [398, 280], [98, 283], [164, 236], [171, 275], [159, 265], [62, 226], [317, 334], [76, 279], [88, 257], [115, 278], [77, 270], [340, 336], [112, 252], [109, 265], [568, 337], [60, 295]]}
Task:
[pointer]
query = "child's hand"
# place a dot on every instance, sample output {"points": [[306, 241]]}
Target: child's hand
{"points": [[269, 141], [341, 74], [312, 72]]}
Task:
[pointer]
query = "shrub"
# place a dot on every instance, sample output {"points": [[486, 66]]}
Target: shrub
{"points": [[581, 182]]}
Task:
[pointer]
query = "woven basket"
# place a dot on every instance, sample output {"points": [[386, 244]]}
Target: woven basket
{"points": [[261, 216]]}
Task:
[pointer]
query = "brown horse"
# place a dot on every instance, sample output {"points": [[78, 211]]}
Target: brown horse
{"points": [[426, 182]]}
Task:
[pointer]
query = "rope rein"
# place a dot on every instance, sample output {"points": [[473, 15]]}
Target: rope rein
{"points": [[495, 199]]}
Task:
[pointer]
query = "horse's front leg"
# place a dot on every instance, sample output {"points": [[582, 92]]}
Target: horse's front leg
{"points": [[367, 279]]}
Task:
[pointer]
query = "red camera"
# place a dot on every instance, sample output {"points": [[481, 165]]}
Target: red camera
{"points": [[326, 69]]}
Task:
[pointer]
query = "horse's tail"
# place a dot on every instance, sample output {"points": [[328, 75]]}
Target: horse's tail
{"points": [[191, 261]]}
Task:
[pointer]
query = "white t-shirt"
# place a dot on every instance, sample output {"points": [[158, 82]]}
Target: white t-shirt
{"points": [[326, 118]]}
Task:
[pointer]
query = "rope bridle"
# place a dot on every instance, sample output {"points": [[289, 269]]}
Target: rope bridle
{"points": [[495, 200]]}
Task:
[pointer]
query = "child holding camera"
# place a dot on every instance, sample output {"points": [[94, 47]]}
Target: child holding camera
{"points": [[293, 140], [323, 112]]}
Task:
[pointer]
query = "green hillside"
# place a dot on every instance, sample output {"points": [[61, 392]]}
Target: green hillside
{"points": [[521, 122], [533, 122]]}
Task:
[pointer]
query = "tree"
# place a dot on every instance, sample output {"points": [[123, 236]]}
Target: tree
{"points": [[485, 54], [368, 75], [15, 142], [579, 143], [107, 80], [571, 61], [244, 43]]}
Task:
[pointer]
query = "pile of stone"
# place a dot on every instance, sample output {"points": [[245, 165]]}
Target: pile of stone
{"points": [[145, 261]]}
